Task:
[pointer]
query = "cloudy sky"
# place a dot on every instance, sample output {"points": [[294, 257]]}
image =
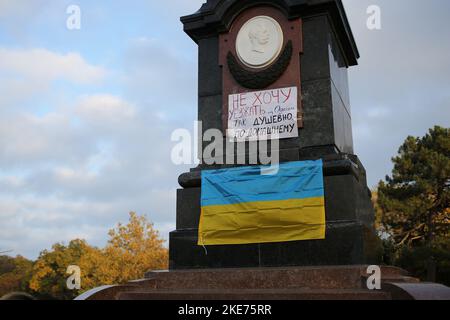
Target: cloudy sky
{"points": [[86, 115]]}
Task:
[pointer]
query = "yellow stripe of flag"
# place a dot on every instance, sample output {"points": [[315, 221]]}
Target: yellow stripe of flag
{"points": [[263, 222]]}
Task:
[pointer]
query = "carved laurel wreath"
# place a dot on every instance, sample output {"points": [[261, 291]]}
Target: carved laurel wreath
{"points": [[264, 78]]}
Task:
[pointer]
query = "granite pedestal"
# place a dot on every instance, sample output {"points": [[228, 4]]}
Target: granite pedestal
{"points": [[328, 50]]}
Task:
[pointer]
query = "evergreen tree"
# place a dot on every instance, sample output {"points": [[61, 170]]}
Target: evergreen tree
{"points": [[415, 201]]}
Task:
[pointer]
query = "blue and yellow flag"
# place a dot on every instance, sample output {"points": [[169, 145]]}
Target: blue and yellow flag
{"points": [[249, 205]]}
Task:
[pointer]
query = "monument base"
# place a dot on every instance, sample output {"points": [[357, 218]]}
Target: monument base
{"points": [[350, 237], [346, 244], [299, 283]]}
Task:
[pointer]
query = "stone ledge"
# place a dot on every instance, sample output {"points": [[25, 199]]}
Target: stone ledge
{"points": [[334, 165]]}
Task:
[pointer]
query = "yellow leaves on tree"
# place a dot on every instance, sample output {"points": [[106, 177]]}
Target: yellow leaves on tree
{"points": [[49, 271], [132, 250]]}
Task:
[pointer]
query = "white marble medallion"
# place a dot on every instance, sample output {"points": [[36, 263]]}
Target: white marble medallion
{"points": [[259, 42]]}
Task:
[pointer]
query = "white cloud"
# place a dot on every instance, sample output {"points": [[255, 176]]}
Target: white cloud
{"points": [[401, 85], [44, 65], [73, 161], [159, 77], [33, 223], [105, 109], [27, 140], [28, 78], [173, 9], [79, 169], [19, 8]]}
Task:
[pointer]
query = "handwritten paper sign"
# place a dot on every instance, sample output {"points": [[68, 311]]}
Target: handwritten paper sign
{"points": [[263, 115]]}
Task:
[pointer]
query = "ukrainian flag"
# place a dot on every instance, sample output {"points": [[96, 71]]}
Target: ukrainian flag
{"points": [[249, 205]]}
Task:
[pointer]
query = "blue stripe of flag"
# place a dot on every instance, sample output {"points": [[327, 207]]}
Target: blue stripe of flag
{"points": [[294, 180]]}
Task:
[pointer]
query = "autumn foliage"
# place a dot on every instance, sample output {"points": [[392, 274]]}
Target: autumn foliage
{"points": [[132, 250], [14, 274]]}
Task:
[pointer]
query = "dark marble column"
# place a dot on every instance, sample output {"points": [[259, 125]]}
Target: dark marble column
{"points": [[328, 51]]}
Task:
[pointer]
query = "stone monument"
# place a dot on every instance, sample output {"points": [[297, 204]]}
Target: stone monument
{"points": [[256, 46], [298, 52]]}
